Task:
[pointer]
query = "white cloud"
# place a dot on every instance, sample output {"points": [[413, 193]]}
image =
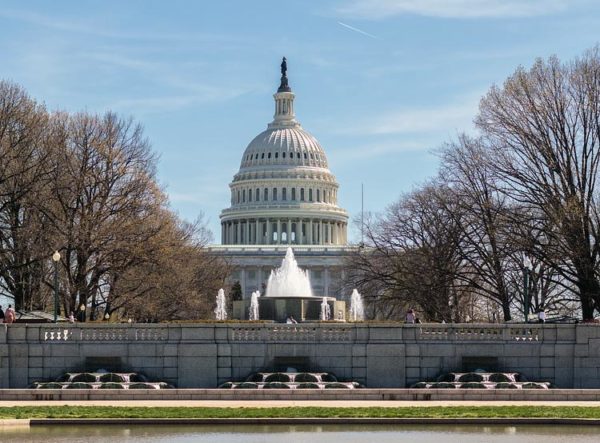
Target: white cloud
{"points": [[448, 117], [379, 9]]}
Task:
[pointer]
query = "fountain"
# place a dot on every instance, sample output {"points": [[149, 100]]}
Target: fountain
{"points": [[220, 310], [357, 310], [253, 313], [289, 293]]}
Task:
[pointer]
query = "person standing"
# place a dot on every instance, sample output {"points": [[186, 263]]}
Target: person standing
{"points": [[9, 315], [542, 315], [410, 316]]}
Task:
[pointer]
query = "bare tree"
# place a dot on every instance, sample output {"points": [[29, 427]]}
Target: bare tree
{"points": [[543, 126]]}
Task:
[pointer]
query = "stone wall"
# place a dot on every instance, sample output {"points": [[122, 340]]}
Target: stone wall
{"points": [[385, 355]]}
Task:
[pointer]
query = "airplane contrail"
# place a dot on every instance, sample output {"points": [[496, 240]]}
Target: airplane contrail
{"points": [[352, 28]]}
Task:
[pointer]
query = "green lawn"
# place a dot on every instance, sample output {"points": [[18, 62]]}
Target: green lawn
{"points": [[297, 412]]}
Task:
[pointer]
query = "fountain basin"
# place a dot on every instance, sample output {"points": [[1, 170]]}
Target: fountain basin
{"points": [[301, 308]]}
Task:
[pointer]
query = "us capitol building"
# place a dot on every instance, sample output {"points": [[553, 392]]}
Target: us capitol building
{"points": [[284, 195]]}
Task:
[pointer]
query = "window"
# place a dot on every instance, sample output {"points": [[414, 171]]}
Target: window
{"points": [[297, 155], [266, 195], [257, 194], [293, 194], [305, 156], [269, 155], [244, 196], [249, 195], [238, 199], [277, 155], [302, 194], [274, 194], [310, 195], [284, 194], [318, 195], [283, 154], [262, 155]]}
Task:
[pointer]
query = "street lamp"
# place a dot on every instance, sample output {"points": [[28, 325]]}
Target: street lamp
{"points": [[527, 271], [56, 259]]}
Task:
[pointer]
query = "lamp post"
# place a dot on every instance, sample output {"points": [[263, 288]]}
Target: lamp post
{"points": [[56, 259], [527, 268]]}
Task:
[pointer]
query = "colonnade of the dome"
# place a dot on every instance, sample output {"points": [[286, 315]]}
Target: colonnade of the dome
{"points": [[283, 230]]}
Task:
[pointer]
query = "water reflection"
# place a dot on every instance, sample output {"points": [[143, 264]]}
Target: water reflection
{"points": [[300, 433]]}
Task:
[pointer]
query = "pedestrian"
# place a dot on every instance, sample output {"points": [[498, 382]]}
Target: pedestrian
{"points": [[72, 317], [1, 315], [9, 315], [541, 315], [410, 316]]}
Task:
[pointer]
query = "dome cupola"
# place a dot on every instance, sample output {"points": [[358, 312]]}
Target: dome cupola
{"points": [[284, 192]]}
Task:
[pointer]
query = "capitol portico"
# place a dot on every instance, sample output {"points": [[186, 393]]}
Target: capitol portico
{"points": [[284, 195]]}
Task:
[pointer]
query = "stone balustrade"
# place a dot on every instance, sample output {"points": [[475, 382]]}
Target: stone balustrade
{"points": [[380, 355]]}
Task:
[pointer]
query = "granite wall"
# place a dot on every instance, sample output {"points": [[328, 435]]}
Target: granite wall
{"points": [[385, 355]]}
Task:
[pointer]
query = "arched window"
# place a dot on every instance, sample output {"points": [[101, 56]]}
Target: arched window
{"points": [[262, 155], [283, 154], [266, 195], [257, 194], [249, 195], [269, 155], [297, 155], [293, 194], [277, 155], [284, 194], [301, 194], [318, 195], [274, 194], [310, 195], [305, 156], [244, 196]]}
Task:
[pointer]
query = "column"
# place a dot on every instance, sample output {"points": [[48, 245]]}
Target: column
{"points": [[330, 232], [257, 233], [299, 226], [269, 232], [321, 232], [289, 231], [278, 231], [238, 229], [247, 237], [310, 232]]}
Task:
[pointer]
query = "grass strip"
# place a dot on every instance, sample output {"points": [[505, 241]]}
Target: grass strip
{"points": [[300, 412]]}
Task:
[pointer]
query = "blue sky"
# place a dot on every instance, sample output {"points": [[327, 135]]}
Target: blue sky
{"points": [[380, 83]]}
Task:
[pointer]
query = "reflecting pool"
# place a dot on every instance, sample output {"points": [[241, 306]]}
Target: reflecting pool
{"points": [[302, 434]]}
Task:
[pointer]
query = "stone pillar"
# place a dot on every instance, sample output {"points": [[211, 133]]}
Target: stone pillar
{"points": [[278, 231], [247, 239], [289, 231], [269, 232], [239, 233], [310, 232], [258, 239], [299, 226], [321, 239]]}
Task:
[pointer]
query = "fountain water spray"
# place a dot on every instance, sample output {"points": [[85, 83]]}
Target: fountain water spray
{"points": [[221, 311], [357, 310], [288, 280], [325, 310], [253, 312]]}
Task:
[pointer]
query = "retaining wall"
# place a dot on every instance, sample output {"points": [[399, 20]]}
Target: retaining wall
{"points": [[383, 355]]}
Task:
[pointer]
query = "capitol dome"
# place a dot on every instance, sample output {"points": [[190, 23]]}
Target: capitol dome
{"points": [[284, 192]]}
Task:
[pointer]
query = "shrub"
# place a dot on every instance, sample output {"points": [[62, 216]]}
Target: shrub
{"points": [[419, 385], [226, 385], [447, 377], [504, 385], [79, 385], [277, 377], [533, 386], [51, 385], [470, 377], [246, 385], [329, 377], [111, 385], [141, 386], [257, 377], [336, 385], [84, 377], [138, 378], [276, 385], [63, 378], [111, 378], [305, 377], [499, 377], [472, 385], [443, 385], [308, 386]]}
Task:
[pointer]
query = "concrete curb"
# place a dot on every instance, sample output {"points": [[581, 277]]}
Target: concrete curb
{"points": [[311, 421]]}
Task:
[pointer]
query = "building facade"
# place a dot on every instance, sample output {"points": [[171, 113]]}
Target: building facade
{"points": [[284, 195]]}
